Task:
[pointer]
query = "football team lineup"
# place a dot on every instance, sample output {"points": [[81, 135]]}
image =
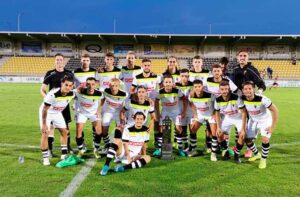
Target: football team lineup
{"points": [[190, 98]]}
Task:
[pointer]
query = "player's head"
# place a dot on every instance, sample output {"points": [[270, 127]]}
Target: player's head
{"points": [[139, 118], [114, 85], [141, 92], [184, 75], [91, 83], [198, 86], [59, 62], [109, 59], [130, 57], [224, 64], [85, 61], [146, 65], [172, 62], [197, 62], [67, 83], [216, 71], [168, 81], [248, 88], [243, 57], [224, 87]]}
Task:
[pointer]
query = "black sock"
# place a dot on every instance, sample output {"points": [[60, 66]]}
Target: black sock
{"points": [[96, 141], [106, 139], [224, 145], [193, 140], [111, 153], [45, 153], [159, 140], [238, 149], [64, 149], [253, 148], [79, 142], [179, 140], [136, 164], [50, 142], [265, 150], [208, 142], [214, 144]]}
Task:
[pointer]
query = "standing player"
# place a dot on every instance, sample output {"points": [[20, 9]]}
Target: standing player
{"points": [[108, 72], [275, 83], [197, 72], [185, 86], [129, 71], [130, 147], [53, 80], [263, 116], [230, 111], [112, 104], [202, 106], [170, 97], [54, 103], [139, 103], [84, 72], [88, 102], [172, 70]]}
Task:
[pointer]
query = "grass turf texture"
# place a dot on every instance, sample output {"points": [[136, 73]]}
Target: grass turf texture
{"points": [[181, 177]]}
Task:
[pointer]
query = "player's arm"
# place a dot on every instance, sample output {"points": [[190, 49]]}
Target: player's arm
{"points": [[43, 90], [275, 114], [132, 89], [127, 154], [44, 117], [194, 110], [144, 149], [122, 116], [99, 108], [244, 120], [218, 121]]}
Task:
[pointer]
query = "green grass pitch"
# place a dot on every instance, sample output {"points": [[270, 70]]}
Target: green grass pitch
{"points": [[182, 177]]}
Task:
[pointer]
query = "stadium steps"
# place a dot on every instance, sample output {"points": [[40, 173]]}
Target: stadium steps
{"points": [[28, 66], [3, 60]]}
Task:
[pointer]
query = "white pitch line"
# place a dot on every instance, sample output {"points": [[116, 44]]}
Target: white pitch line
{"points": [[78, 179]]}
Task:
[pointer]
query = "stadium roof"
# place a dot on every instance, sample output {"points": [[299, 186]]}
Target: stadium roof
{"points": [[199, 39]]}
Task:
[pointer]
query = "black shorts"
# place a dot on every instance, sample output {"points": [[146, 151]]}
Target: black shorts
{"points": [[275, 84], [67, 114]]}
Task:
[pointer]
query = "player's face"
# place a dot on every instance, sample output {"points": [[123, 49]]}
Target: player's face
{"points": [[141, 93], [198, 88], [248, 90], [109, 61], [139, 120], [66, 86], [224, 90], [243, 58], [146, 67], [184, 77], [114, 86], [59, 62], [130, 58], [91, 85], [217, 72], [197, 63], [85, 61], [172, 63], [168, 83]]}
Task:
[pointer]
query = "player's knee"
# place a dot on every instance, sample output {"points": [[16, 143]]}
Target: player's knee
{"points": [[147, 158], [249, 140], [265, 140]]}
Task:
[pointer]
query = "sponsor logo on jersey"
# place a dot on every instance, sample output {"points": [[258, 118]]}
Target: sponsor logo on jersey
{"points": [[86, 105]]}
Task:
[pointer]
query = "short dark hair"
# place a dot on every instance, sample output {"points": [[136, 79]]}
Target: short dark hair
{"points": [[85, 56], [184, 70], [67, 78], [110, 54], [248, 83], [146, 60], [198, 57], [242, 51], [224, 82], [224, 60], [198, 81], [165, 76], [59, 54], [172, 56], [140, 87], [91, 79], [139, 113], [216, 66]]}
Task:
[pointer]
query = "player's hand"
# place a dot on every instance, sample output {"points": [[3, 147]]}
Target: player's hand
{"points": [[219, 132], [182, 114], [242, 133]]}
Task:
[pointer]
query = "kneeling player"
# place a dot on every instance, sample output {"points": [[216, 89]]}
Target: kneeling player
{"points": [[54, 103], [88, 107], [263, 116], [130, 146], [230, 111]]}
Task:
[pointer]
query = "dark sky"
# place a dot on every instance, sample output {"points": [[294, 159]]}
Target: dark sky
{"points": [[153, 16]]}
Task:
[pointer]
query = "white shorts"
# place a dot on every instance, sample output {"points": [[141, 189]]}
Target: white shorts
{"points": [[108, 117], [56, 120], [203, 119], [176, 118], [82, 118], [253, 127], [122, 156], [227, 122], [187, 120]]}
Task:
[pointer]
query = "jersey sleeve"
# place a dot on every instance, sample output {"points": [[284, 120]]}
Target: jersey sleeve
{"points": [[232, 86], [147, 138], [240, 103], [151, 110], [158, 96], [47, 78], [134, 82], [266, 102], [125, 135], [48, 100]]}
